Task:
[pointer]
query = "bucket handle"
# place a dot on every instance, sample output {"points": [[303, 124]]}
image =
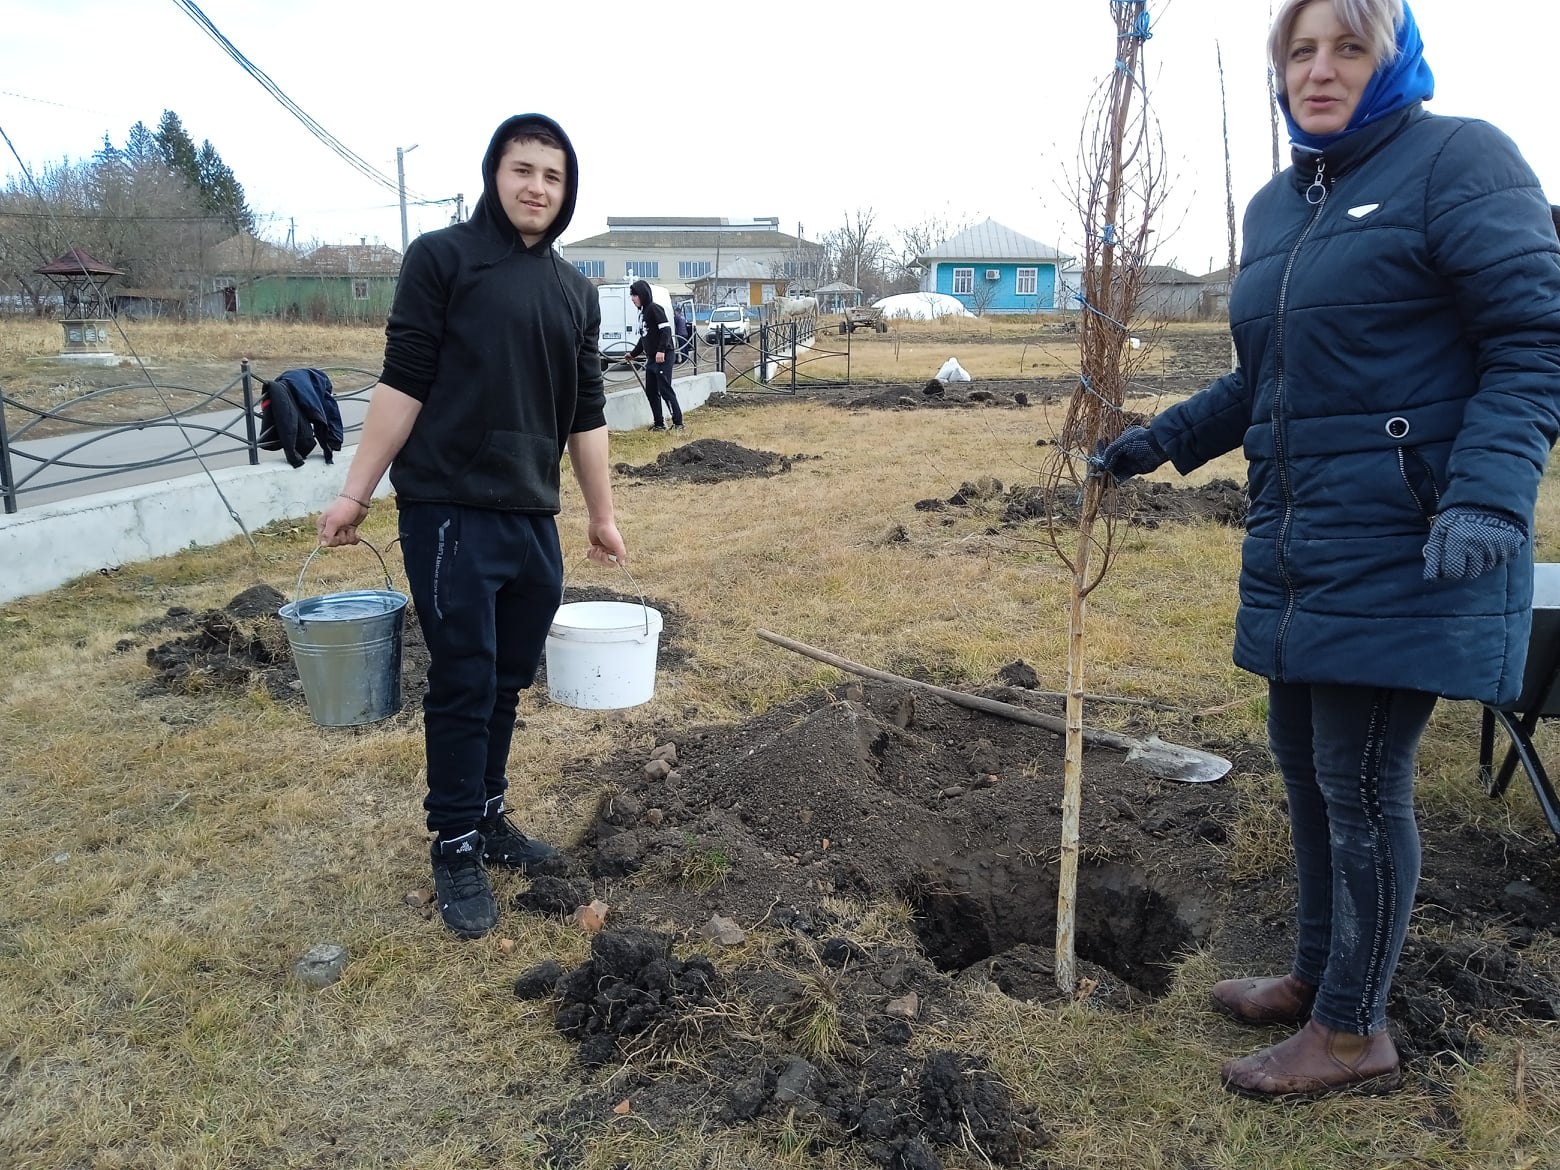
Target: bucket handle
{"points": [[613, 558], [298, 588]]}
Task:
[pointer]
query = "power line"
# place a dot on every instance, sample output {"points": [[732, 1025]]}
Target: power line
{"points": [[347, 155]]}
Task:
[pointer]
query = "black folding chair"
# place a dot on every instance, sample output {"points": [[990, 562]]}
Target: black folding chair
{"points": [[1540, 699]]}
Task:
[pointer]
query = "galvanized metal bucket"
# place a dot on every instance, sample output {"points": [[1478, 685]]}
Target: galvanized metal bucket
{"points": [[347, 647]]}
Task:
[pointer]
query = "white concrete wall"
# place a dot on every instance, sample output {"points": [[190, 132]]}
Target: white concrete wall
{"points": [[45, 546]]}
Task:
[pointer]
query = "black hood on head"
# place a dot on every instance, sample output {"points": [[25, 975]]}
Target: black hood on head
{"points": [[488, 209], [641, 289]]}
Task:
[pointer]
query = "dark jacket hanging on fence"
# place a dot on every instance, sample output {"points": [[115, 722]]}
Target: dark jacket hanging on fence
{"points": [[297, 411], [1399, 345]]}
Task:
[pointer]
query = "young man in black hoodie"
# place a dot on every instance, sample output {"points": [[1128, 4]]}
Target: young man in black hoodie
{"points": [[491, 372], [660, 349]]}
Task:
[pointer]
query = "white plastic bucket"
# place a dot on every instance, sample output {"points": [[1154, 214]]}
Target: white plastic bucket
{"points": [[601, 654]]}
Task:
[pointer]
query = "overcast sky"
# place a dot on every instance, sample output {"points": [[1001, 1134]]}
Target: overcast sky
{"points": [[803, 111]]}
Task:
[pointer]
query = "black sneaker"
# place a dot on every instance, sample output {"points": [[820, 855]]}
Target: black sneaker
{"points": [[460, 884], [503, 844], [658, 427], [678, 427]]}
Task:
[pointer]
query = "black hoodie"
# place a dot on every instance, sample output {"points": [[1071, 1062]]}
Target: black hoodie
{"points": [[498, 342], [658, 336]]}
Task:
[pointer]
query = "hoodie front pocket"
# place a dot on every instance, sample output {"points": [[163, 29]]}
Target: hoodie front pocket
{"points": [[507, 465]]}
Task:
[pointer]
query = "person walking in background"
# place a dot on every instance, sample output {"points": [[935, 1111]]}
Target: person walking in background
{"points": [[659, 345], [682, 329], [491, 370], [1397, 320]]}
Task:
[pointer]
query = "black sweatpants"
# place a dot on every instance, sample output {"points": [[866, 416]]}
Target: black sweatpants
{"points": [[486, 585]]}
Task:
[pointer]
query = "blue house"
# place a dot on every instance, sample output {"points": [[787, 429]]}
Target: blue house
{"points": [[993, 269]]}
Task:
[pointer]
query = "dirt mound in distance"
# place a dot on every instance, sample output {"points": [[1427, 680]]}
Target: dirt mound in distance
{"points": [[711, 461]]}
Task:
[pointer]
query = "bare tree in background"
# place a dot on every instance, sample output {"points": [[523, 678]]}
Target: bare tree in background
{"points": [[916, 241], [1229, 191], [1272, 95], [856, 251], [1121, 192]]}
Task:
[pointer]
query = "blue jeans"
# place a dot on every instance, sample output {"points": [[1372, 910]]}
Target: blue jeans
{"points": [[1347, 756], [486, 585]]}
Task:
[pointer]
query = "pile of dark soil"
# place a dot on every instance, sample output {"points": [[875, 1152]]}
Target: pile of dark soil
{"points": [[874, 794], [711, 461], [244, 644], [1142, 503]]}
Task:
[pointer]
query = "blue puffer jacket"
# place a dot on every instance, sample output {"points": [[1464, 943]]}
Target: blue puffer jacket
{"points": [[1397, 320]]}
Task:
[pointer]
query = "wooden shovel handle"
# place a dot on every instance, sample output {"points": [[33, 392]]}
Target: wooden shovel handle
{"points": [[974, 702]]}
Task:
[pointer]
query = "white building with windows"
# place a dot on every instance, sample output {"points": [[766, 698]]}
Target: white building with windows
{"points": [[676, 251]]}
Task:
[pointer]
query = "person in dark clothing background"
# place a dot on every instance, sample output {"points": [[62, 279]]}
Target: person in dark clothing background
{"points": [[1397, 320], [659, 346], [682, 329], [491, 371]]}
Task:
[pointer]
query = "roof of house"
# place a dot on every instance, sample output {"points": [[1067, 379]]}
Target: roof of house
{"points": [[704, 241], [838, 286], [740, 268], [991, 241], [651, 221], [247, 253], [353, 260], [1164, 274]]}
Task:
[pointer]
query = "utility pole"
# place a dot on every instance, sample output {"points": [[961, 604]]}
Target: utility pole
{"points": [[400, 179]]}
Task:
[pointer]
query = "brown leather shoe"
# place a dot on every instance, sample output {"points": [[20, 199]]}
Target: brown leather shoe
{"points": [[1279, 1000], [1316, 1062]]}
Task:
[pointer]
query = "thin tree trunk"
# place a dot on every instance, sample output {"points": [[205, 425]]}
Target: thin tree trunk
{"points": [[1072, 768], [1104, 298]]}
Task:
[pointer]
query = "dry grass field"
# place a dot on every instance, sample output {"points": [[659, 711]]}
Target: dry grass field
{"points": [[167, 857]]}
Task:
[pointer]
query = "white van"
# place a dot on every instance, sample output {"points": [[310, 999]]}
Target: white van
{"points": [[621, 323]]}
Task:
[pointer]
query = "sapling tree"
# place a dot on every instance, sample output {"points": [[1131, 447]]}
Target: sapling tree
{"points": [[1120, 191]]}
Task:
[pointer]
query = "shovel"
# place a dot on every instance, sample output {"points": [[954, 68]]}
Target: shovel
{"points": [[1169, 761]]}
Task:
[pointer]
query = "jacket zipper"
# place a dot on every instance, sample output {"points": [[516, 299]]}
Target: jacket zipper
{"points": [[1316, 195]]}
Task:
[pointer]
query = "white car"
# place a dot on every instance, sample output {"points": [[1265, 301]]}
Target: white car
{"points": [[729, 321]]}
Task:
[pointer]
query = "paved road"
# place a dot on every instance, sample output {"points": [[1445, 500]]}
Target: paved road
{"points": [[219, 436]]}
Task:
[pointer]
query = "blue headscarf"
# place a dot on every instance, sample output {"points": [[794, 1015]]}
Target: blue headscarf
{"points": [[1402, 83]]}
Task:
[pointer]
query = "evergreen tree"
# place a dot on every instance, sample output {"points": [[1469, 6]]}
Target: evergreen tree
{"points": [[220, 191], [177, 149], [141, 145]]}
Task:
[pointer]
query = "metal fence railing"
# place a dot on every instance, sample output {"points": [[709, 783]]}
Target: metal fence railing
{"points": [[85, 438]]}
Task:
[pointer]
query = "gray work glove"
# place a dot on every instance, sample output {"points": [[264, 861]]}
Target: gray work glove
{"points": [[1466, 542], [1134, 452]]}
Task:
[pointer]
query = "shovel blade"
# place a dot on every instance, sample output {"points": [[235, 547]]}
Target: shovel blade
{"points": [[1173, 761]]}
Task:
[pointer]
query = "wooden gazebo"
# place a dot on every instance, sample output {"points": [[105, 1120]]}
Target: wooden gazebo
{"points": [[87, 311]]}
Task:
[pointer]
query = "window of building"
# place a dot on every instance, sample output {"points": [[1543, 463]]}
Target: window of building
{"points": [[360, 290], [1028, 281], [963, 281], [592, 268], [642, 269], [693, 269]]}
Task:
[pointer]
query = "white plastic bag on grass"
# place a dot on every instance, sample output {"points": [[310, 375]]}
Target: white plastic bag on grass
{"points": [[952, 371]]}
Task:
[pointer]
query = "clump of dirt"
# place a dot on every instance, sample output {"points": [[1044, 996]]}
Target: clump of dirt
{"points": [[801, 820], [234, 647], [711, 461], [632, 1003], [1141, 503]]}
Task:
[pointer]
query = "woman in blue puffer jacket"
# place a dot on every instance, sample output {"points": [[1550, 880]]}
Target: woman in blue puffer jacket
{"points": [[1397, 321]]}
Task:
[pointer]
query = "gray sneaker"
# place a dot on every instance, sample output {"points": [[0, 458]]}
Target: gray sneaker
{"points": [[460, 884]]}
